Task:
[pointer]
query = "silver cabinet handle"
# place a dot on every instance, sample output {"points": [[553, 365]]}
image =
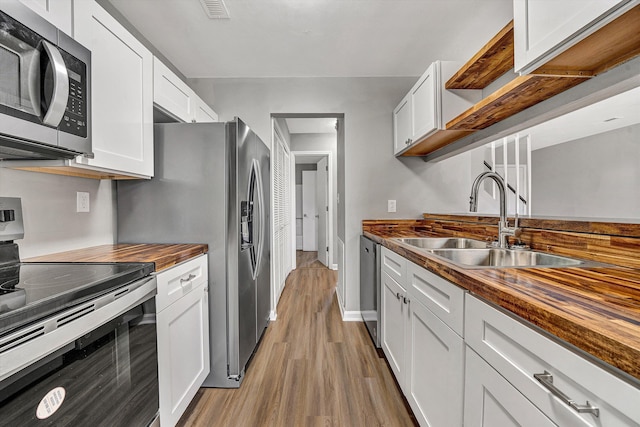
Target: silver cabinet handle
{"points": [[406, 300], [188, 279], [60, 86], [546, 379]]}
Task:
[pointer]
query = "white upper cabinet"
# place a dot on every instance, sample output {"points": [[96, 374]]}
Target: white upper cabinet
{"points": [[402, 125], [58, 12], [545, 28], [175, 98], [204, 113], [121, 90], [428, 106]]}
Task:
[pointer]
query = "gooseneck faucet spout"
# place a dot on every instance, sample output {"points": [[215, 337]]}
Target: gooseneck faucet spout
{"points": [[503, 229]]}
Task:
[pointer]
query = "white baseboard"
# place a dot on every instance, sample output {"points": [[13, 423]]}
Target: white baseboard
{"points": [[273, 316], [348, 316], [351, 316], [334, 266]]}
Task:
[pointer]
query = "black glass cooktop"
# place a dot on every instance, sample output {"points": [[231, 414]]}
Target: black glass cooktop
{"points": [[31, 291]]}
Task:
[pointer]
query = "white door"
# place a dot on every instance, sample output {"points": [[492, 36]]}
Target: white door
{"points": [[309, 212], [322, 205]]}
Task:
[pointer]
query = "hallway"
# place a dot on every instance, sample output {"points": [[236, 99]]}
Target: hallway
{"points": [[311, 369]]}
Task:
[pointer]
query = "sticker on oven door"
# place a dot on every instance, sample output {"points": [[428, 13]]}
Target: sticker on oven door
{"points": [[50, 403]]}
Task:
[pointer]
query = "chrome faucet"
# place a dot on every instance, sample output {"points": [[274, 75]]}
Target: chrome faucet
{"points": [[503, 227]]}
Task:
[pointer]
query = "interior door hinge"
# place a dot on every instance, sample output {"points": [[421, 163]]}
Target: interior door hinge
{"points": [[327, 248], [327, 208], [326, 168]]}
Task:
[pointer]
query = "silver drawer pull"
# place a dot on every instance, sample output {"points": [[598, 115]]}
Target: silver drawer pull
{"points": [[191, 277], [546, 380], [398, 295]]}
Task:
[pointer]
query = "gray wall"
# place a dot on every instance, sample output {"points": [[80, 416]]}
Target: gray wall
{"points": [[49, 206], [303, 167], [596, 177], [372, 175]]}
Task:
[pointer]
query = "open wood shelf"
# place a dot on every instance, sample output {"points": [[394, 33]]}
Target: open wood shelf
{"points": [[608, 47], [435, 141], [517, 95], [611, 45], [492, 61]]}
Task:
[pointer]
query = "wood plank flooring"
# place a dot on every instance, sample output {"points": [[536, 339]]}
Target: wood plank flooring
{"points": [[311, 369]]}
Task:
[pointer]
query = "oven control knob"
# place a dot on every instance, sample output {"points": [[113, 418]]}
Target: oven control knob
{"points": [[7, 215]]}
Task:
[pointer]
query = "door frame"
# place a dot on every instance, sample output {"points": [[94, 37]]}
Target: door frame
{"points": [[330, 196]]}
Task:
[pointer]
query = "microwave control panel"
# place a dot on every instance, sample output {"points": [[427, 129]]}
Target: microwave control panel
{"points": [[75, 117]]}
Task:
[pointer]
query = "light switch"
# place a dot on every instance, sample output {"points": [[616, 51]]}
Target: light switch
{"points": [[391, 205], [82, 201]]}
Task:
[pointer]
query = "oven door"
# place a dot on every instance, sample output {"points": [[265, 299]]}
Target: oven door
{"points": [[106, 376]]}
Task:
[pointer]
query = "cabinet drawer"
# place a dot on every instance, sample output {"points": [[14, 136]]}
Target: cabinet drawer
{"points": [[443, 298], [179, 280], [394, 265], [489, 399], [518, 352]]}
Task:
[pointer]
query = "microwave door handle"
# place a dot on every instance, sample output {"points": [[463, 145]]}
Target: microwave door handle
{"points": [[58, 106]]}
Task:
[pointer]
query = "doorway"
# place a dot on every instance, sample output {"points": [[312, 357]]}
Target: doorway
{"points": [[312, 205], [308, 142]]}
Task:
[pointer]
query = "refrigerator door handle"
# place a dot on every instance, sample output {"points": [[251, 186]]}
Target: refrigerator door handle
{"points": [[261, 216]]}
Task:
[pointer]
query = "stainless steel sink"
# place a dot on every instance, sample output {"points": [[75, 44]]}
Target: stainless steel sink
{"points": [[443, 243], [508, 258]]}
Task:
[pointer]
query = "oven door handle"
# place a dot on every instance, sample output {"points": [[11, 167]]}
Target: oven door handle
{"points": [[60, 96]]}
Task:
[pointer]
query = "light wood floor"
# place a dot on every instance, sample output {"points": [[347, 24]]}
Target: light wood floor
{"points": [[311, 369]]}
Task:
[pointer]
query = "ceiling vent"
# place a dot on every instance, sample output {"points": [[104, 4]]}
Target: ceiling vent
{"points": [[215, 9]]}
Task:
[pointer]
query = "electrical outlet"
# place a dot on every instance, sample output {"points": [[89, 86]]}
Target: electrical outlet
{"points": [[82, 201], [391, 205]]}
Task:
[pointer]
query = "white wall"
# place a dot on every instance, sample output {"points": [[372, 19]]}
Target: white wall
{"points": [[372, 174], [49, 206]]}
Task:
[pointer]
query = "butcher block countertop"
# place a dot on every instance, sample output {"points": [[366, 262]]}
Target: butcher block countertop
{"points": [[162, 255], [596, 309]]}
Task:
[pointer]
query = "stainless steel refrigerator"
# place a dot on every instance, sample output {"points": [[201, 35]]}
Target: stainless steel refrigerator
{"points": [[212, 185]]}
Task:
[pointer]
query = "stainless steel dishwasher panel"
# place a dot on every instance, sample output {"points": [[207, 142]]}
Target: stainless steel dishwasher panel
{"points": [[370, 287]]}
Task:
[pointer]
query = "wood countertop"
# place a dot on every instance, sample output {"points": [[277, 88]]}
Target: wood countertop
{"points": [[162, 255], [595, 309]]}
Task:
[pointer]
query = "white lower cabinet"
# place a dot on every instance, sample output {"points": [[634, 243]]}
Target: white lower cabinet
{"points": [[435, 369], [183, 338], [425, 354], [490, 401], [542, 370], [461, 361], [394, 317]]}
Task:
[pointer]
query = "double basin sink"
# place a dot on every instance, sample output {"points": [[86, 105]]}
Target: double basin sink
{"points": [[469, 253]]}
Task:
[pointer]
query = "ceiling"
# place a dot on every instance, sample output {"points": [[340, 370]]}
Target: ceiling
{"points": [[316, 38]]}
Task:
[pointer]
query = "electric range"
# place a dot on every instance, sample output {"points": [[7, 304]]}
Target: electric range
{"points": [[77, 340]]}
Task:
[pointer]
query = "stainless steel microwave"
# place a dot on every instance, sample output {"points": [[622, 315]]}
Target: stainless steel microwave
{"points": [[45, 88]]}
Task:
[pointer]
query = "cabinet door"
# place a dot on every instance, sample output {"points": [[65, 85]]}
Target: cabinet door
{"points": [[171, 94], [402, 125], [442, 297], [490, 401], [183, 353], [435, 367], [394, 319], [544, 28], [425, 105], [57, 12], [121, 90], [204, 113]]}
